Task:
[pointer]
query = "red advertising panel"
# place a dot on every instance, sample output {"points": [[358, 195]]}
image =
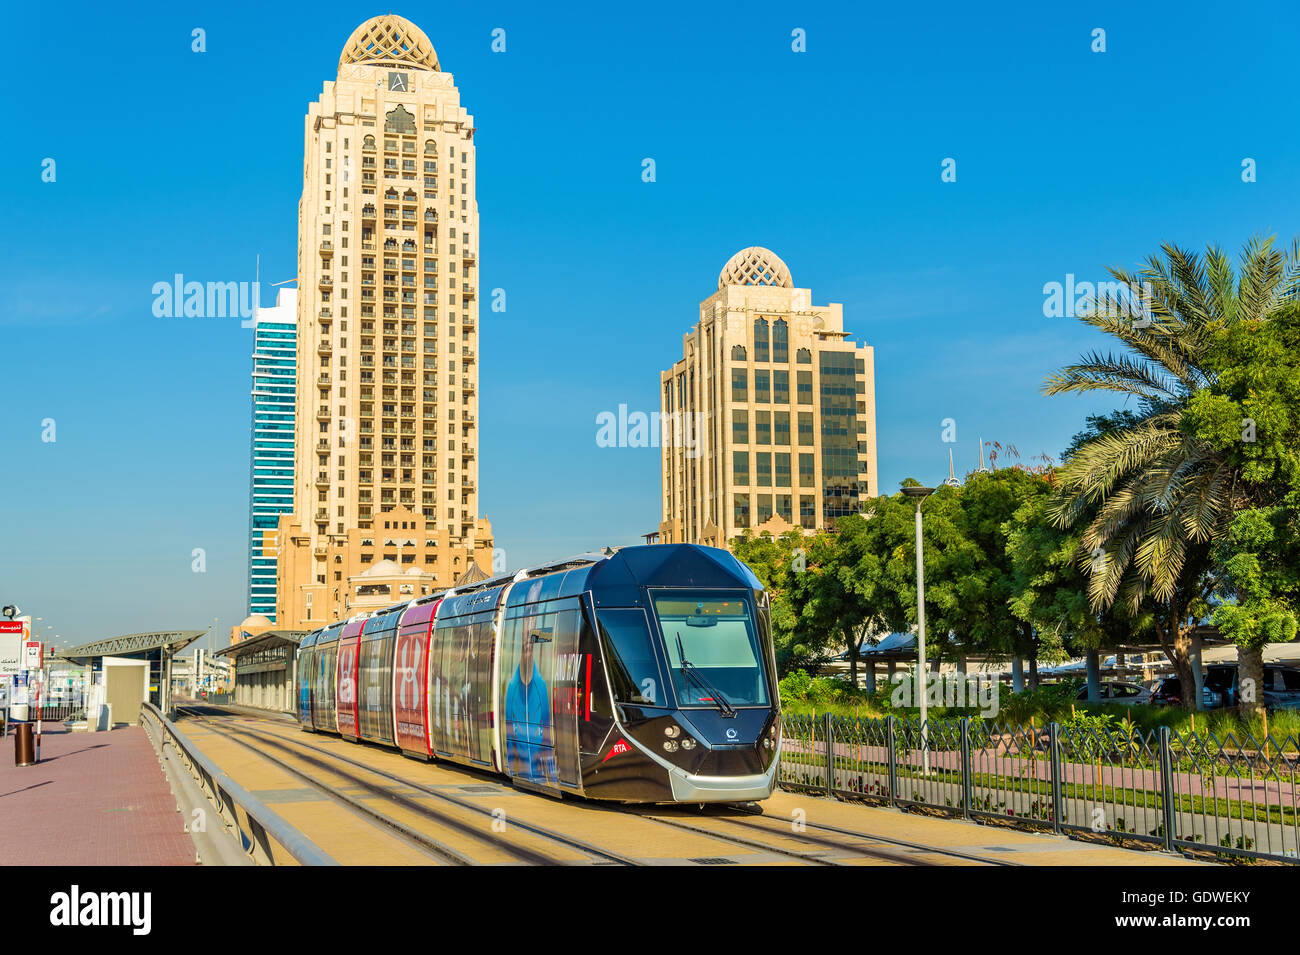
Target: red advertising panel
{"points": [[349, 658], [411, 679]]}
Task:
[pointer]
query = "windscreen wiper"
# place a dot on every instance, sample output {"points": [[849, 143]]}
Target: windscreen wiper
{"points": [[691, 670]]}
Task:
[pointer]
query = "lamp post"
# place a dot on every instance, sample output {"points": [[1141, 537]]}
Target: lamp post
{"points": [[920, 494]]}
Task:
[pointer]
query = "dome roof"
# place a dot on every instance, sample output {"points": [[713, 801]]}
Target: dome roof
{"points": [[755, 266], [390, 41], [255, 620], [385, 568]]}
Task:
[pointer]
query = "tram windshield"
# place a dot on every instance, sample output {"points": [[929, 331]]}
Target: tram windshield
{"points": [[713, 649]]}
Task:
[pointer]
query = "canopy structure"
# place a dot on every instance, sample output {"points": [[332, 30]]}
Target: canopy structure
{"points": [[153, 649], [264, 669]]}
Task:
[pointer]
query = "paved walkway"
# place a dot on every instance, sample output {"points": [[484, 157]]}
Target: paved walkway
{"points": [[94, 799]]}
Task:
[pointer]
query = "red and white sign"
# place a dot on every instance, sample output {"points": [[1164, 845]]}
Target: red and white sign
{"points": [[617, 750], [35, 655], [13, 626]]}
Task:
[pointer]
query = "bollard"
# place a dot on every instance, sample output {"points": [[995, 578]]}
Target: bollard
{"points": [[24, 746]]}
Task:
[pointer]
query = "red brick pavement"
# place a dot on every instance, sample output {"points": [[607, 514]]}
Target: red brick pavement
{"points": [[94, 799]]}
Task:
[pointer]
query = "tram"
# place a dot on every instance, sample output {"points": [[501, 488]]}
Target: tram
{"points": [[642, 675]]}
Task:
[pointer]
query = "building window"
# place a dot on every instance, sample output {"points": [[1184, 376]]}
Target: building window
{"points": [[804, 357], [785, 507], [805, 429], [781, 387], [739, 384], [740, 467], [740, 427], [399, 120], [780, 341], [763, 427], [804, 387], [760, 340], [781, 427], [740, 514], [782, 469], [806, 470], [764, 508], [763, 467], [762, 387], [738, 353], [808, 511]]}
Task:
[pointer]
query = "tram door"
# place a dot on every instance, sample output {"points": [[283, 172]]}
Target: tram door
{"points": [[410, 677], [539, 677], [323, 691], [460, 688]]}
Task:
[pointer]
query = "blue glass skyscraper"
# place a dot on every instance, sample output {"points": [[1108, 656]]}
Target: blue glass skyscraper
{"points": [[275, 342]]}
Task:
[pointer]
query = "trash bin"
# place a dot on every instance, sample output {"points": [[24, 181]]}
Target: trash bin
{"points": [[24, 744]]}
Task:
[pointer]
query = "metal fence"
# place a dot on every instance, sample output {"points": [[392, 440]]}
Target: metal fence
{"points": [[1232, 797]]}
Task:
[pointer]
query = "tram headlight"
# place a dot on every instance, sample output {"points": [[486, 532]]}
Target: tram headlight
{"points": [[671, 730], [670, 746], [688, 743]]}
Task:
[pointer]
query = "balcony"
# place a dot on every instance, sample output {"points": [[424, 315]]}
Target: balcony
{"points": [[469, 257], [322, 514], [323, 380], [326, 281], [467, 291], [323, 412], [327, 247], [467, 355], [325, 313], [322, 477], [324, 347], [323, 444]]}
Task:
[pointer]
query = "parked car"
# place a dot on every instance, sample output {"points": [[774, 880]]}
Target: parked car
{"points": [[1281, 689], [1115, 691], [1169, 692]]}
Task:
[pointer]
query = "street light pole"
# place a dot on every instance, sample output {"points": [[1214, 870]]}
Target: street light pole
{"points": [[920, 494]]}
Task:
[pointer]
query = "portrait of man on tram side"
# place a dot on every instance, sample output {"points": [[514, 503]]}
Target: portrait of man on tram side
{"points": [[530, 749]]}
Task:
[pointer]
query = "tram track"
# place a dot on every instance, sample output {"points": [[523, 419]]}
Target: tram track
{"points": [[897, 851], [889, 840], [825, 844], [496, 840]]}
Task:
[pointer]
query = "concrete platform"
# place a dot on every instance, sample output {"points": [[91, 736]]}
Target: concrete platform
{"points": [[94, 799]]}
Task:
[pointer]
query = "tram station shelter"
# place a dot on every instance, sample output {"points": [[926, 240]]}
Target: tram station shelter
{"points": [[264, 669], [132, 668]]}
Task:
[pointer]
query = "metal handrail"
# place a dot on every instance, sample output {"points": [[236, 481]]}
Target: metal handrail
{"points": [[256, 823]]}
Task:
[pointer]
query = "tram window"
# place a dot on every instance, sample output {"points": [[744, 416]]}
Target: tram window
{"points": [[720, 643], [630, 658]]}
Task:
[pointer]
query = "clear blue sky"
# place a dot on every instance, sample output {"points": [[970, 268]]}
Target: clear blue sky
{"points": [[170, 161]]}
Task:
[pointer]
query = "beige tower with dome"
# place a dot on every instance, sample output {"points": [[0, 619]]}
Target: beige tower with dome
{"points": [[771, 412], [386, 456]]}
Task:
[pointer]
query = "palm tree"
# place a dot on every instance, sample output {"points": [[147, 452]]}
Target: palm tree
{"points": [[1152, 496]]}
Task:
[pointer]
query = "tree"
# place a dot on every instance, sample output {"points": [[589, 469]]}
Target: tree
{"points": [[1162, 495], [1251, 416], [987, 585], [781, 564], [1261, 561]]}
